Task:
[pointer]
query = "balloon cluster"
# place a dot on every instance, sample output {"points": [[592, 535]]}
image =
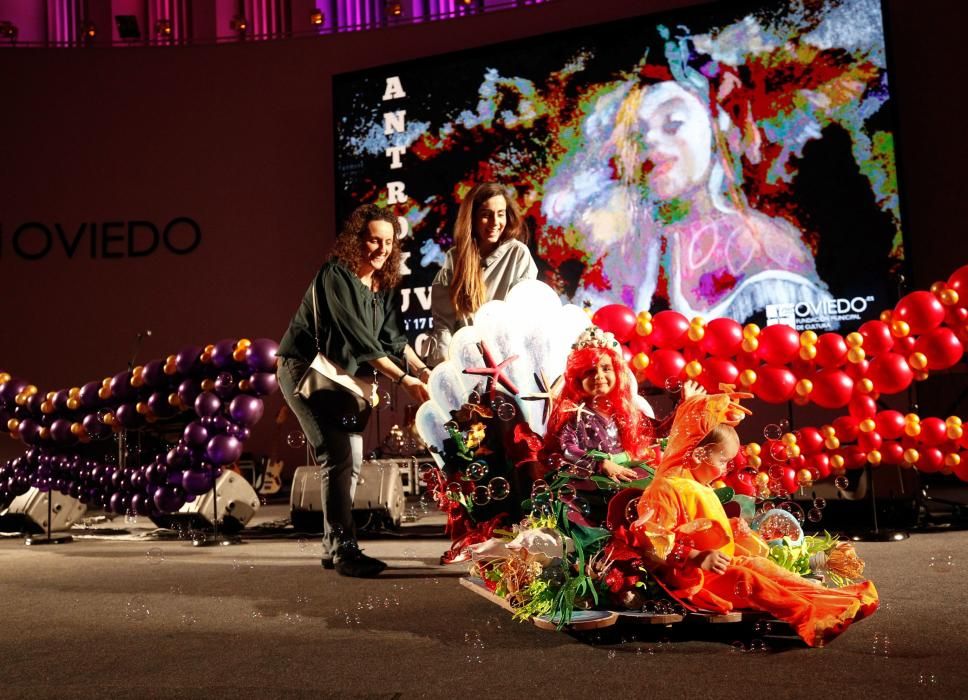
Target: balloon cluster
{"points": [[193, 410], [927, 330]]}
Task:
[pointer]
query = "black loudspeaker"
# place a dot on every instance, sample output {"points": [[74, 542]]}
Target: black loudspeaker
{"points": [[128, 26], [233, 498], [28, 513], [379, 501]]}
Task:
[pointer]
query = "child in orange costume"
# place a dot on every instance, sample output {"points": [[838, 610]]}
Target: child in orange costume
{"points": [[709, 562]]}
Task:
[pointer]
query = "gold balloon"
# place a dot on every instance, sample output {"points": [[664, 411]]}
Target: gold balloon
{"points": [[750, 344], [74, 392], [911, 455], [209, 349], [952, 459], [949, 297], [751, 330], [205, 357], [954, 432], [643, 327], [50, 395], [753, 449], [104, 392], [874, 457], [912, 429], [832, 443], [20, 399], [808, 338], [693, 369], [106, 381], [938, 287], [900, 329], [47, 406], [747, 377], [886, 316], [918, 361], [170, 368], [808, 352], [789, 439], [45, 433], [912, 418], [137, 381], [921, 376], [239, 355], [837, 461], [13, 424], [865, 385], [76, 428], [952, 420], [828, 431], [696, 333], [762, 478], [805, 477], [245, 385], [4, 377], [174, 399], [801, 400], [30, 390], [208, 384], [856, 355], [142, 408], [73, 404], [640, 361], [868, 425], [755, 462], [793, 451], [108, 418], [854, 340], [644, 317]]}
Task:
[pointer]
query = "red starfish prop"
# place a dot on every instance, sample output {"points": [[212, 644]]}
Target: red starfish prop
{"points": [[494, 371]]}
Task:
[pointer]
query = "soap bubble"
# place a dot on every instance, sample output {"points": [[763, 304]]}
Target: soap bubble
{"points": [[772, 432], [482, 496], [296, 439], [673, 385], [499, 488], [842, 482], [476, 471], [507, 411]]}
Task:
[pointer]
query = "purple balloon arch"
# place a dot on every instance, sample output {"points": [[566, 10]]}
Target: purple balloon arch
{"points": [[194, 410]]}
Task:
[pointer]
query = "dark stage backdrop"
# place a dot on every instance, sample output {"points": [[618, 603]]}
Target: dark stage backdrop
{"points": [[190, 191], [730, 159]]}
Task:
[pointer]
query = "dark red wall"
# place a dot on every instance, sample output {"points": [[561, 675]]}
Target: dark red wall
{"points": [[238, 137]]}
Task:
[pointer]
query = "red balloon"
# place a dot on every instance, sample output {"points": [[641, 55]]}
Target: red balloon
{"points": [[961, 469], [959, 282], [638, 343], [846, 427], [832, 388], [810, 440], [854, 457], [941, 347], [858, 370], [716, 371], [877, 337], [617, 319], [831, 350], [930, 460], [892, 453], [723, 337], [933, 432], [869, 441], [626, 354], [890, 424], [778, 344], [955, 315], [669, 330], [862, 407], [774, 384], [890, 373], [921, 310], [789, 479], [905, 346], [665, 364]]}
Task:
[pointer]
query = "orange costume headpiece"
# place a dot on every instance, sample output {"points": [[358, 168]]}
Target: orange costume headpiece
{"points": [[695, 418]]}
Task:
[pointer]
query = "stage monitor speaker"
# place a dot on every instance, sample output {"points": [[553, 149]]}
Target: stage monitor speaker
{"points": [[233, 496], [28, 513], [379, 501]]}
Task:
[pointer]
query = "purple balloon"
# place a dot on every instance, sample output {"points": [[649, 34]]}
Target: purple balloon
{"points": [[141, 504], [34, 403], [217, 425], [222, 354], [180, 457], [95, 428], [118, 503], [60, 400], [158, 403], [30, 431], [187, 359], [89, 394], [154, 373], [246, 410], [223, 449], [121, 386], [128, 415], [174, 478], [60, 430], [10, 389], [195, 434], [207, 404], [225, 385], [261, 355], [188, 391], [263, 383], [197, 482], [169, 498]]}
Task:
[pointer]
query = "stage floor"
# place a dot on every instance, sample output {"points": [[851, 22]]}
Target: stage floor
{"points": [[125, 614]]}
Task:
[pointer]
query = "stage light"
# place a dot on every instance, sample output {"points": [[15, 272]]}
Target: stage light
{"points": [[88, 30], [467, 3], [394, 9], [163, 28], [316, 17], [239, 24], [8, 30]]}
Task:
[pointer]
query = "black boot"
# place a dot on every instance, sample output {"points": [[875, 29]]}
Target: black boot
{"points": [[350, 561]]}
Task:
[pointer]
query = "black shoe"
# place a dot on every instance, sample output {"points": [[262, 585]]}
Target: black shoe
{"points": [[350, 561], [327, 561]]}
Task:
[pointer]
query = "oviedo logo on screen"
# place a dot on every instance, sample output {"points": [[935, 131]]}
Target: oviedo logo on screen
{"points": [[36, 240]]}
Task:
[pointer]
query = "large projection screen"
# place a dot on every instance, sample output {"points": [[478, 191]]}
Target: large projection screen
{"points": [[734, 159]]}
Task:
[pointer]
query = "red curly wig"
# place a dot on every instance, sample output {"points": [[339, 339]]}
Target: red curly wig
{"points": [[634, 429]]}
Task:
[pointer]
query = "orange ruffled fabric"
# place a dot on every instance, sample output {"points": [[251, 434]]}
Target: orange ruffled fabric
{"points": [[675, 510]]}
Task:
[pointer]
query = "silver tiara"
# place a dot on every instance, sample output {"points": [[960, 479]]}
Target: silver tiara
{"points": [[595, 337]]}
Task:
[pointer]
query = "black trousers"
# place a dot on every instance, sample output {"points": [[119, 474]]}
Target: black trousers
{"points": [[337, 446]]}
